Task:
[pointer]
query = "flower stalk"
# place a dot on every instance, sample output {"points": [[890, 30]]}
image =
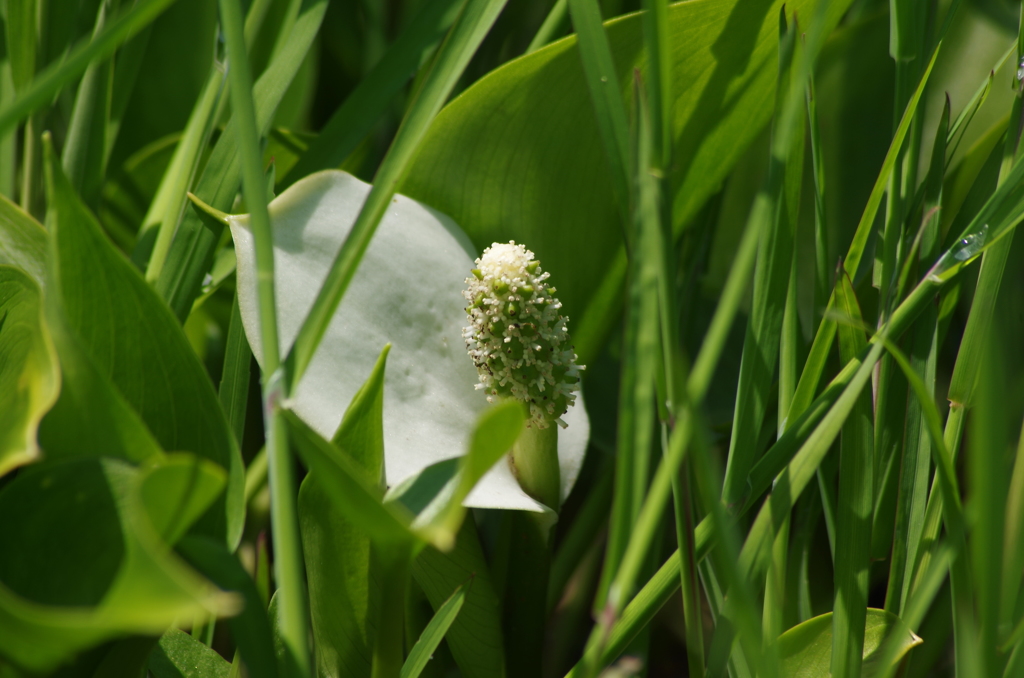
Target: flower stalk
{"points": [[518, 340]]}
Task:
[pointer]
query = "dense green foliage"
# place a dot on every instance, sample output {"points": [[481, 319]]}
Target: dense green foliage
{"points": [[239, 433]]}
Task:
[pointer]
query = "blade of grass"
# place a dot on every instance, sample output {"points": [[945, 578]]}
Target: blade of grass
{"points": [[157, 229], [465, 36], [362, 109], [434, 632], [85, 148], [822, 345], [606, 94], [191, 251], [555, 24], [288, 567], [1013, 553], [234, 382], [771, 280], [822, 270], [854, 507], [916, 458], [49, 82], [637, 402]]}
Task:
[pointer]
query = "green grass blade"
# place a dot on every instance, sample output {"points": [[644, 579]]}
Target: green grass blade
{"points": [[555, 24], [822, 267], [168, 205], [49, 82], [362, 109], [432, 635], [606, 95], [465, 36], [85, 148], [191, 251], [1013, 560], [815, 365], [20, 23], [988, 480], [637, 399], [854, 506], [916, 457], [288, 570], [771, 281]]}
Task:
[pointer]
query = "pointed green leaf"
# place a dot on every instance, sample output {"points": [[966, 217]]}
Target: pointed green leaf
{"points": [[349, 487], [432, 635], [29, 374], [475, 638], [177, 489]]}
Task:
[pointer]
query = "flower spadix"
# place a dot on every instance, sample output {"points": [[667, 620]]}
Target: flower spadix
{"points": [[517, 337], [408, 292]]}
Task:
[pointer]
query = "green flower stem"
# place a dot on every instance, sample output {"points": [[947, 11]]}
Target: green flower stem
{"points": [[534, 460], [535, 465], [526, 588]]}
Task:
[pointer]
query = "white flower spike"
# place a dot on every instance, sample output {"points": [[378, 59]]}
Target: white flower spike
{"points": [[407, 291], [518, 339]]}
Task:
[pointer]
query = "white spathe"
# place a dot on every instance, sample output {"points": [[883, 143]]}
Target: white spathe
{"points": [[407, 291]]}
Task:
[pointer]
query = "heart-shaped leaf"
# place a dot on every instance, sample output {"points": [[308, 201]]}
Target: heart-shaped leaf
{"points": [[407, 292]]}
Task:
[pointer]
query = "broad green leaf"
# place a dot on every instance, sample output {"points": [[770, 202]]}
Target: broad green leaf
{"points": [[806, 649], [432, 635], [82, 563], [407, 292], [29, 373], [475, 638], [115, 319], [516, 156], [179, 655], [336, 550], [23, 241]]}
